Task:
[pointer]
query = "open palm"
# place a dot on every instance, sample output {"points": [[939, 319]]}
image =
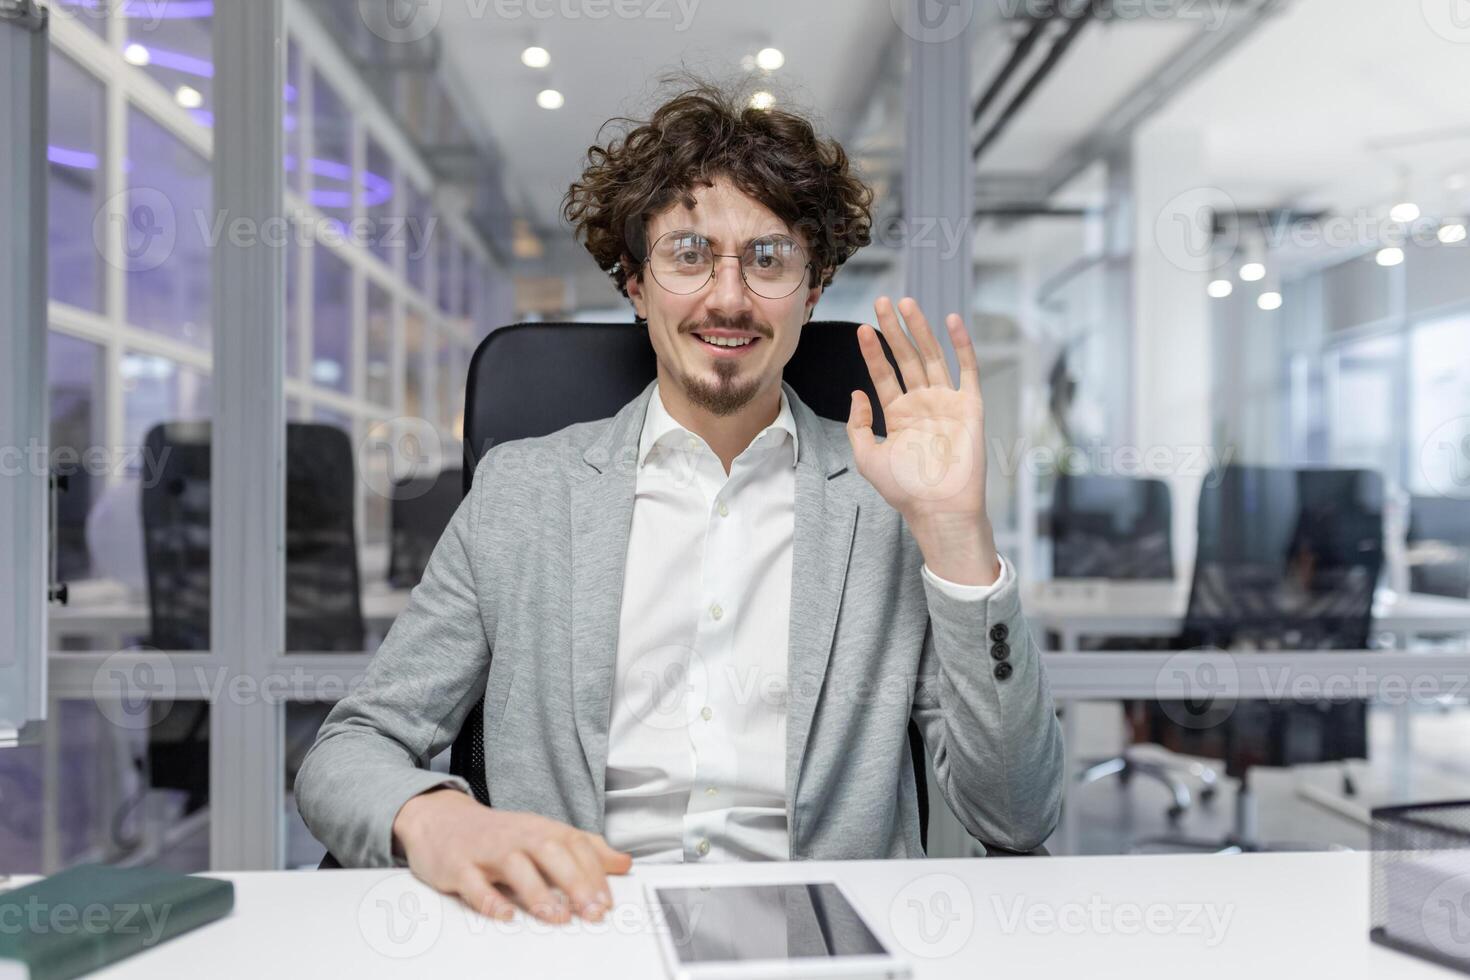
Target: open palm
{"points": [[932, 463]]}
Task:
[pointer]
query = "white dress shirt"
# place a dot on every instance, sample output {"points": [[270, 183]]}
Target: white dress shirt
{"points": [[696, 766]]}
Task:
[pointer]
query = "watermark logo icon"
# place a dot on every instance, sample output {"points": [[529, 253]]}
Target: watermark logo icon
{"points": [[400, 917], [933, 917], [399, 458], [129, 682], [1450, 19], [1197, 688], [400, 21], [148, 225], [1446, 917], [932, 21], [1186, 233], [1444, 458]]}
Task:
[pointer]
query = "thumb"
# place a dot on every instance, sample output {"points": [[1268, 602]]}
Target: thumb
{"points": [[860, 424], [613, 860]]}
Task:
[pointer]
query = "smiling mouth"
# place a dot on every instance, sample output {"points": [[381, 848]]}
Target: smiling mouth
{"points": [[729, 344]]}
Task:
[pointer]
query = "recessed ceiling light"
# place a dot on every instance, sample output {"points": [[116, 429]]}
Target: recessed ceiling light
{"points": [[1404, 213], [762, 100], [1390, 256], [136, 54], [550, 98], [1452, 234], [1269, 301], [1252, 272], [1221, 288], [535, 57], [188, 97], [769, 59]]}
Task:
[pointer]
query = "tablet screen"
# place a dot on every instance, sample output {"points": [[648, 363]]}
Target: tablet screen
{"points": [[724, 923]]}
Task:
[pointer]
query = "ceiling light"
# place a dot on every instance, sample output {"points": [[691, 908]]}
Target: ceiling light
{"points": [[1390, 256], [1269, 301], [550, 98], [769, 59], [136, 54], [1452, 234], [1404, 213], [535, 57], [188, 97], [1221, 288], [1252, 272], [762, 100]]}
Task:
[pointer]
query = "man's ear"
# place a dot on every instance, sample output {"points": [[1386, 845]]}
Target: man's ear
{"points": [[634, 285]]}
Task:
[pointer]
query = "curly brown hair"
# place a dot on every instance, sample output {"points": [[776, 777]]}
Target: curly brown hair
{"points": [[705, 131]]}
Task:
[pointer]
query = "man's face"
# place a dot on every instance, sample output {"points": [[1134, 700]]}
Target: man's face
{"points": [[722, 379]]}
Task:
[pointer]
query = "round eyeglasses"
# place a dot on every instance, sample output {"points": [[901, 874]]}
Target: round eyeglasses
{"points": [[773, 267]]}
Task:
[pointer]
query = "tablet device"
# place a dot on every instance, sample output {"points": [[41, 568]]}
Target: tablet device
{"points": [[767, 931]]}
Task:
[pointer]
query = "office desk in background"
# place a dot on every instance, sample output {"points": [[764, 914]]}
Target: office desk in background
{"points": [[1196, 916]]}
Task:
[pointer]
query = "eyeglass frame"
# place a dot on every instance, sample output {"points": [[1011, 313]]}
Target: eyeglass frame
{"points": [[807, 266]]}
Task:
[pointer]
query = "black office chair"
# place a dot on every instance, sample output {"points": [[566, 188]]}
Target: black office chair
{"points": [[1120, 528], [323, 602], [1438, 546], [532, 379], [1287, 560], [421, 509]]}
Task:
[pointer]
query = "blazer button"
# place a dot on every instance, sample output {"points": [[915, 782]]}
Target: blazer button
{"points": [[1002, 671], [1000, 651], [999, 632]]}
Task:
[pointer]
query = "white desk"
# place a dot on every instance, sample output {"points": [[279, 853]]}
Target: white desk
{"points": [[1273, 915]]}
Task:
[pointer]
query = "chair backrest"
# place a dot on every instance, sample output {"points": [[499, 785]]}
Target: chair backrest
{"points": [[323, 595], [1287, 558], [1114, 527], [532, 379], [422, 507], [1438, 545]]}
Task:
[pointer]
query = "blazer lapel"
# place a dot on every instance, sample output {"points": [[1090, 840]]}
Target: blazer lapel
{"points": [[821, 546], [601, 521]]}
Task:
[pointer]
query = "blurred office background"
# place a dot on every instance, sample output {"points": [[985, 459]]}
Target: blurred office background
{"points": [[1221, 295]]}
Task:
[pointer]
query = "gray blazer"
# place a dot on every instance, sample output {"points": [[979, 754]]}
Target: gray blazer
{"points": [[531, 567]]}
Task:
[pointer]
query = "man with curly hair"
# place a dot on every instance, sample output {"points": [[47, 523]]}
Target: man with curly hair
{"points": [[715, 620]]}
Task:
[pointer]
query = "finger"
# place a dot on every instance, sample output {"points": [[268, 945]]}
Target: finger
{"points": [[860, 425], [531, 890], [964, 350], [591, 865], [614, 861], [563, 870], [879, 369], [936, 368], [479, 894], [909, 364]]}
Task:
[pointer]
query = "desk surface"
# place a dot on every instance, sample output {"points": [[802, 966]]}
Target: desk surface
{"points": [[1196, 916]]}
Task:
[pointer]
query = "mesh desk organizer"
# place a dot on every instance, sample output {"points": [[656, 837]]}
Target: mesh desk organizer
{"points": [[1420, 892]]}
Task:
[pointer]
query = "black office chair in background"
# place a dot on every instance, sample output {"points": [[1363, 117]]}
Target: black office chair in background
{"points": [[1287, 560], [1437, 546], [421, 509], [1120, 528], [323, 601]]}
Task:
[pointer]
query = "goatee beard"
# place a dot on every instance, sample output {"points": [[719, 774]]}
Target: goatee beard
{"points": [[725, 397]]}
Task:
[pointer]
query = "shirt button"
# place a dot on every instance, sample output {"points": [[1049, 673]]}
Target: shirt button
{"points": [[715, 611], [999, 632], [1002, 670], [711, 791], [693, 443], [706, 713], [724, 510], [1000, 651], [702, 848]]}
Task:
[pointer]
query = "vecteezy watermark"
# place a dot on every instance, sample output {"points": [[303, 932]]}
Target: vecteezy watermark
{"points": [[35, 917], [1445, 915], [1450, 19], [932, 21], [129, 682], [1106, 459], [148, 225], [1196, 688], [933, 464], [400, 917], [400, 458], [38, 459], [1098, 916], [933, 916], [1444, 458], [409, 21], [1188, 233]]}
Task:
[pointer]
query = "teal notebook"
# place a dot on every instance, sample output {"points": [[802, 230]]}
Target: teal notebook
{"points": [[89, 916]]}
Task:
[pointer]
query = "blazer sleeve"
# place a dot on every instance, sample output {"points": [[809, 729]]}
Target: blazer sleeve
{"points": [[985, 709], [372, 753]]}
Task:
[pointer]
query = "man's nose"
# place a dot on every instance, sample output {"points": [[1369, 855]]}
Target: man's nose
{"points": [[728, 295]]}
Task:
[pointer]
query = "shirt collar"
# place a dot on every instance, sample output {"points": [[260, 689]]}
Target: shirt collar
{"points": [[659, 425]]}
